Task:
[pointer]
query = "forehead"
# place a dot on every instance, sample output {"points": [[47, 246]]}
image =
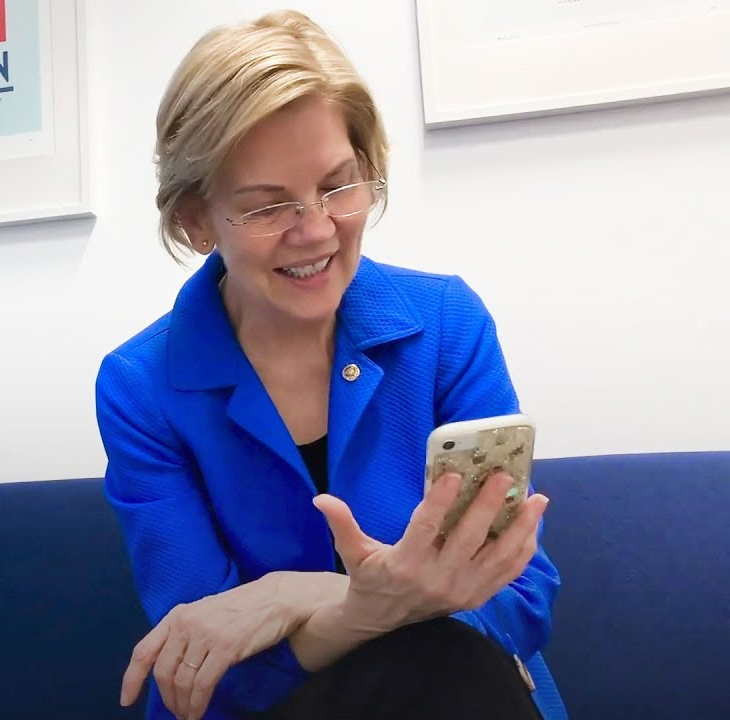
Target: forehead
{"points": [[303, 141]]}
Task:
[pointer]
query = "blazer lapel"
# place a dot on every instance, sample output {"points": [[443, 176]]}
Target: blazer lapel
{"points": [[348, 398], [204, 354], [252, 409], [373, 312]]}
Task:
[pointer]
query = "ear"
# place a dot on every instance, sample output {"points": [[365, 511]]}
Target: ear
{"points": [[192, 217]]}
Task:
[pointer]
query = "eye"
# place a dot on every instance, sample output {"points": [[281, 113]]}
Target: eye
{"points": [[256, 207], [267, 212], [335, 183], [340, 185]]}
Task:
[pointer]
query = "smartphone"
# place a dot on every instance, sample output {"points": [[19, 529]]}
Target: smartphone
{"points": [[475, 449]]}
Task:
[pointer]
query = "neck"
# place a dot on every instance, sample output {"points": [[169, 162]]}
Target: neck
{"points": [[263, 334]]}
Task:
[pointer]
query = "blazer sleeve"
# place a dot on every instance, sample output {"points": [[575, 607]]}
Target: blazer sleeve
{"points": [[176, 551], [473, 382]]}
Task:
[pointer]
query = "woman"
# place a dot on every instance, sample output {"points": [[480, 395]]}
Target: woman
{"points": [[286, 401]]}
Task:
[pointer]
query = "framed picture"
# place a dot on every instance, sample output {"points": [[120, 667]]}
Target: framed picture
{"points": [[44, 157], [502, 59]]}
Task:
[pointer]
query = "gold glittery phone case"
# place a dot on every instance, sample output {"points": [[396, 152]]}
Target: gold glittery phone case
{"points": [[476, 449]]}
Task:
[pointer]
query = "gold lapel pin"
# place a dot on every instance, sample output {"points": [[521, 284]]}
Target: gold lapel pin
{"points": [[351, 372]]}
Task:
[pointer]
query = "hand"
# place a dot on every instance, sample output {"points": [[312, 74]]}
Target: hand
{"points": [[195, 644], [421, 576]]}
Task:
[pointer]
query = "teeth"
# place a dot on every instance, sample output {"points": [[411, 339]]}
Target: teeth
{"points": [[307, 270]]}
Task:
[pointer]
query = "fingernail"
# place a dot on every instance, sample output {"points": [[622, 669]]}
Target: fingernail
{"points": [[452, 481], [124, 700]]}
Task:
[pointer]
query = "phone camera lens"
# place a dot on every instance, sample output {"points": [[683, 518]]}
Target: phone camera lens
{"points": [[449, 445]]}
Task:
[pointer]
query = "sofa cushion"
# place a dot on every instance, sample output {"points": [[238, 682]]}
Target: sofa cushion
{"points": [[69, 615], [642, 622]]}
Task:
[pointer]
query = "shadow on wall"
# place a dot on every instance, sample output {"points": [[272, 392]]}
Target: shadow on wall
{"points": [[574, 123]]}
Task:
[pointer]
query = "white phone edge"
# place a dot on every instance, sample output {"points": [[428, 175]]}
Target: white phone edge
{"points": [[464, 429]]}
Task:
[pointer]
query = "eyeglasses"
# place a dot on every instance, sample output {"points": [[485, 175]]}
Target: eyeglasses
{"points": [[342, 202]]}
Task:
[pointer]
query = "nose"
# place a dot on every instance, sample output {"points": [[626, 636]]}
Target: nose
{"points": [[313, 225]]}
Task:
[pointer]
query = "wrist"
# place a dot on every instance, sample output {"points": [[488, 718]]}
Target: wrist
{"points": [[359, 621], [370, 615], [302, 593], [331, 632]]}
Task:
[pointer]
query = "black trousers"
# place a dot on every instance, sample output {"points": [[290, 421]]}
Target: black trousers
{"points": [[440, 669]]}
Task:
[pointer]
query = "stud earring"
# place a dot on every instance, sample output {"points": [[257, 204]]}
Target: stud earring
{"points": [[205, 243]]}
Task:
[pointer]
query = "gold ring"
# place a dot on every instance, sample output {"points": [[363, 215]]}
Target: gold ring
{"points": [[192, 665]]}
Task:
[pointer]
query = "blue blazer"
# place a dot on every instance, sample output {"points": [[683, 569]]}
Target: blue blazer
{"points": [[210, 488]]}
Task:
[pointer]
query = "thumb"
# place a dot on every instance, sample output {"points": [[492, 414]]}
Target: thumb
{"points": [[353, 545]]}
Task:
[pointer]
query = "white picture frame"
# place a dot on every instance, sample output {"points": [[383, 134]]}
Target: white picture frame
{"points": [[470, 74], [45, 175]]}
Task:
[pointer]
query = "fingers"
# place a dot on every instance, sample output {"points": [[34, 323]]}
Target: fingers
{"points": [[353, 545], [519, 539], [186, 676], [428, 517], [205, 682], [499, 563], [165, 670], [469, 534], [144, 656]]}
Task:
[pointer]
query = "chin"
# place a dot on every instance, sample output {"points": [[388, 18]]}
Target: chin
{"points": [[316, 304]]}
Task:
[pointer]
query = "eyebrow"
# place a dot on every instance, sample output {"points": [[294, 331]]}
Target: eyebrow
{"points": [[278, 188]]}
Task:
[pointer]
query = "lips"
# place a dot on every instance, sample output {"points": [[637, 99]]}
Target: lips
{"points": [[310, 269]]}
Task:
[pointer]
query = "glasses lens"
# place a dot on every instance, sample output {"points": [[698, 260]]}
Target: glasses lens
{"points": [[352, 199], [270, 220]]}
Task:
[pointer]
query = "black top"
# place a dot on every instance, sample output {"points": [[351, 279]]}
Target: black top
{"points": [[314, 455]]}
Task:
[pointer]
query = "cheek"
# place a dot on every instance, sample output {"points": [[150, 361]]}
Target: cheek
{"points": [[350, 232], [246, 260]]}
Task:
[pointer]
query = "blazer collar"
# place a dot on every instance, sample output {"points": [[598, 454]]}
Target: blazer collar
{"points": [[373, 310], [204, 353]]}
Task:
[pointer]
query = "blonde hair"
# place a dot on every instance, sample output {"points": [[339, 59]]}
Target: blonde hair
{"points": [[233, 78]]}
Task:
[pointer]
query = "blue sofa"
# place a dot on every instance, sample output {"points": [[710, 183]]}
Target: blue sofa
{"points": [[641, 625]]}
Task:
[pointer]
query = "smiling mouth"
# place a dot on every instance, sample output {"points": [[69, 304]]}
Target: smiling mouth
{"points": [[306, 271]]}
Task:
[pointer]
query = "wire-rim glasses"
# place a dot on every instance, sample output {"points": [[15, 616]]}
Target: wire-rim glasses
{"points": [[342, 202]]}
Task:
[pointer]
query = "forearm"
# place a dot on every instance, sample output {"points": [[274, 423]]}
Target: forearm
{"points": [[325, 630], [293, 597], [328, 635], [275, 605]]}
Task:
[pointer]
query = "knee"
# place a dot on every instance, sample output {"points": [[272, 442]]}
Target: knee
{"points": [[439, 642]]}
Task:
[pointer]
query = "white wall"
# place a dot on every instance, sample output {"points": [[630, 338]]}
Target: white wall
{"points": [[599, 241]]}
